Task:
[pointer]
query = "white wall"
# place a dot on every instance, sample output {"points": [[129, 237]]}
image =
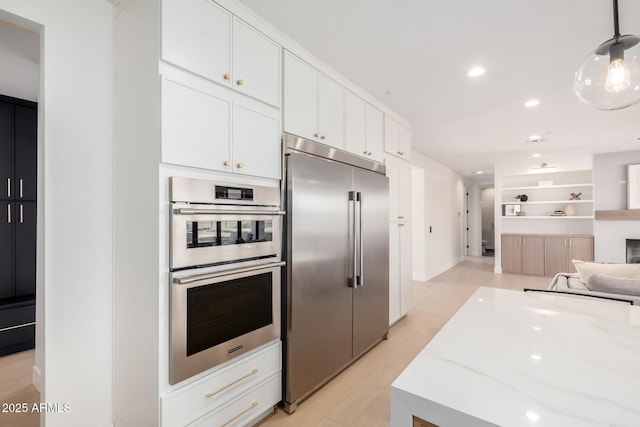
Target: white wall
{"points": [[418, 253], [444, 207], [74, 204], [20, 59], [610, 193]]}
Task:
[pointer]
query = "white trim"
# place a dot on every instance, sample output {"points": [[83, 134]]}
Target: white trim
{"points": [[37, 379]]}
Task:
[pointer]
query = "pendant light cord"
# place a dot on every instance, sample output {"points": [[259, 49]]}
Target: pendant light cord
{"points": [[616, 24]]}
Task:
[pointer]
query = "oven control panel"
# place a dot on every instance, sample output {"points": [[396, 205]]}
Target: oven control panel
{"points": [[233, 193]]}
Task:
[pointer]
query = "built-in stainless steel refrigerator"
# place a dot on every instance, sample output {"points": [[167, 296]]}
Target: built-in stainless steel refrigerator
{"points": [[337, 250]]}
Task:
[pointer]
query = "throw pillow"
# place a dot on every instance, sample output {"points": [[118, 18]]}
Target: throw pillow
{"points": [[625, 271], [614, 285]]}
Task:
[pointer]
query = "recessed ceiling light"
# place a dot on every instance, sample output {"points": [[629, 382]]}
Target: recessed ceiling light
{"points": [[476, 72], [532, 103], [536, 155], [536, 357], [477, 172]]}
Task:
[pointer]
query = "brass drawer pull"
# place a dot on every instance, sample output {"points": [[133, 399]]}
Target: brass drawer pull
{"points": [[240, 82], [210, 395], [227, 76], [253, 405]]}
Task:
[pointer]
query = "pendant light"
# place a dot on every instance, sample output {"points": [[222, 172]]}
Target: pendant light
{"points": [[609, 78]]}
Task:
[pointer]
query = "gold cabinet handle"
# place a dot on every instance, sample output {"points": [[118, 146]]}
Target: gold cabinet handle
{"points": [[369, 153], [227, 163], [364, 152], [253, 372], [253, 405], [227, 76], [240, 165], [240, 82], [322, 137], [316, 134], [400, 153], [400, 217], [400, 225]]}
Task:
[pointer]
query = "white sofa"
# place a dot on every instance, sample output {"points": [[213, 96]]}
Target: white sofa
{"points": [[617, 288]]}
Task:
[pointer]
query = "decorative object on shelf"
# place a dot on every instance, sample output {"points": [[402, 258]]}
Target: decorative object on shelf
{"points": [[558, 213], [522, 197], [521, 213], [611, 84], [544, 166], [633, 186], [545, 183], [575, 196], [570, 210], [511, 210]]}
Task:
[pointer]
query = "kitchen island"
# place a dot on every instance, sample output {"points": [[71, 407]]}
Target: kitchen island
{"points": [[512, 358]]}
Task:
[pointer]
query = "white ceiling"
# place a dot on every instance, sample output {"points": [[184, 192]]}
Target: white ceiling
{"points": [[421, 50]]}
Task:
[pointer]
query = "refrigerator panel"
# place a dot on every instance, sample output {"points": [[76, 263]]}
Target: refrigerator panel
{"points": [[371, 298], [319, 259]]}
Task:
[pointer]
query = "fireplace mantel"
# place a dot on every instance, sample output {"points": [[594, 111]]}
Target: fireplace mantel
{"points": [[618, 215]]}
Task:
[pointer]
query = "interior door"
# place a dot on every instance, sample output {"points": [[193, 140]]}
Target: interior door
{"points": [[371, 298], [319, 297]]}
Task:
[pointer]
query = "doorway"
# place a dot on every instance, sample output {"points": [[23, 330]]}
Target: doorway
{"points": [[487, 218]]}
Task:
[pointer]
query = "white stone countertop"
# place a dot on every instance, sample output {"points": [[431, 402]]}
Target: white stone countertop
{"points": [[520, 359]]}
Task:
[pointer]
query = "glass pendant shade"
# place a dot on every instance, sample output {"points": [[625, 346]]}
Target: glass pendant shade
{"points": [[609, 78]]}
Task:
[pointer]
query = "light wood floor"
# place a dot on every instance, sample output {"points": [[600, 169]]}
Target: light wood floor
{"points": [[16, 387], [359, 396]]}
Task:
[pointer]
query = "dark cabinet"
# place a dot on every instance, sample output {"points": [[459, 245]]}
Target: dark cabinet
{"points": [[18, 209]]}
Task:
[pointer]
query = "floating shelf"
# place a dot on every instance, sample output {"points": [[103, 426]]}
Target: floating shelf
{"points": [[546, 202], [619, 215], [563, 217], [535, 187]]}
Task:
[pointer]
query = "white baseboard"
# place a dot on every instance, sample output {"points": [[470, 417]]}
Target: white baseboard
{"points": [[430, 275], [36, 377]]}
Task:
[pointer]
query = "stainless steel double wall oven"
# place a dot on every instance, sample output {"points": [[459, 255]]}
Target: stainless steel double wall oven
{"points": [[225, 269]]}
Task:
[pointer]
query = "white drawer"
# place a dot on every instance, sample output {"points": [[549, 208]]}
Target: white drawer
{"points": [[245, 408], [194, 400]]}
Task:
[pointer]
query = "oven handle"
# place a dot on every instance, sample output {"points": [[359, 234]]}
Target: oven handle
{"points": [[191, 211], [199, 277]]}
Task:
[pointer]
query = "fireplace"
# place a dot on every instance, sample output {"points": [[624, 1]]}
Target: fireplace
{"points": [[633, 251]]}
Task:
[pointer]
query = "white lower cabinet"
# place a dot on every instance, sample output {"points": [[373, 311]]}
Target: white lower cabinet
{"points": [[225, 394], [213, 128], [400, 292]]}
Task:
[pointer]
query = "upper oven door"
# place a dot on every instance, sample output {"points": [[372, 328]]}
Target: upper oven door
{"points": [[206, 236]]}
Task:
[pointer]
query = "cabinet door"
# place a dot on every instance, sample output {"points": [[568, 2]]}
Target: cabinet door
{"points": [[405, 269], [195, 128], [196, 35], [256, 64], [256, 143], [7, 218], [26, 151], [555, 255], [300, 97], [404, 142], [511, 254], [391, 135], [533, 255], [25, 252], [579, 248], [404, 192], [394, 272], [330, 112], [374, 132], [355, 128], [6, 151], [393, 173]]}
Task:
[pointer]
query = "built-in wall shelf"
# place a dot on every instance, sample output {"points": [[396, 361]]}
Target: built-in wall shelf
{"points": [[619, 215], [562, 217], [536, 187], [547, 202]]}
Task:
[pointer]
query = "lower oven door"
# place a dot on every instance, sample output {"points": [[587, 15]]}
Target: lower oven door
{"points": [[218, 316], [205, 236]]}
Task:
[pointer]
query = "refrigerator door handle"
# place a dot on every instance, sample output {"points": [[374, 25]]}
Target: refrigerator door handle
{"points": [[352, 279], [360, 245]]}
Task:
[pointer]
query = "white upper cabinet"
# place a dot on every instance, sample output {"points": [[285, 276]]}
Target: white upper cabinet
{"points": [[399, 174], [364, 128], [201, 37], [210, 127], [397, 138], [313, 104], [330, 112], [256, 64], [195, 127]]}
